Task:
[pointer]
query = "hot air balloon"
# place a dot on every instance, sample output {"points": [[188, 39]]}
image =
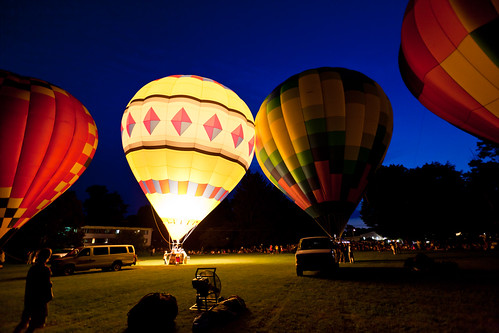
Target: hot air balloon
{"points": [[449, 60], [47, 140], [188, 140], [320, 135]]}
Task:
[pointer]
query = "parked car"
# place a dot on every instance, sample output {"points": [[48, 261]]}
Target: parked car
{"points": [[316, 254], [105, 257], [59, 253]]}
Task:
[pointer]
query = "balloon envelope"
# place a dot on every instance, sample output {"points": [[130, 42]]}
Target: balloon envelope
{"points": [[47, 140], [188, 140], [449, 60], [320, 135]]}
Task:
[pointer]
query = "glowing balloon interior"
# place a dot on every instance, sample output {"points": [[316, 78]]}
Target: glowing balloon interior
{"points": [[188, 140], [320, 136], [449, 60], [47, 140]]}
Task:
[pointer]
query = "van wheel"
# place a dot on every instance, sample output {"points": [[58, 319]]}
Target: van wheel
{"points": [[68, 270], [116, 266], [299, 271]]}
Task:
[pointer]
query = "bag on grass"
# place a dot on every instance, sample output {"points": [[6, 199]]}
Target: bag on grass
{"points": [[155, 312], [220, 314]]}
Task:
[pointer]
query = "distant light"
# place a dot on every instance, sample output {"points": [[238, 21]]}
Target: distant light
{"points": [[459, 234]]}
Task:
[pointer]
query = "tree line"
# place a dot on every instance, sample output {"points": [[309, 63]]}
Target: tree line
{"points": [[434, 201]]}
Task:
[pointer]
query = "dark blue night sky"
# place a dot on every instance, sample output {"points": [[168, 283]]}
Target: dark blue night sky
{"points": [[102, 52]]}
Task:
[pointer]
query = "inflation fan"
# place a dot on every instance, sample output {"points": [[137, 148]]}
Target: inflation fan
{"points": [[208, 288]]}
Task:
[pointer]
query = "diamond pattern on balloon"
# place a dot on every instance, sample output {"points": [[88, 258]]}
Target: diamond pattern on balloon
{"points": [[130, 124], [237, 136], [151, 120], [251, 145], [181, 121], [213, 127]]}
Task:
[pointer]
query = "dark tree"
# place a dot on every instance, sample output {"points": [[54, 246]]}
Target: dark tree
{"points": [[57, 226], [130, 237], [385, 203], [442, 206], [483, 185], [429, 201], [255, 213], [103, 208], [214, 231], [148, 218], [264, 215], [487, 152]]}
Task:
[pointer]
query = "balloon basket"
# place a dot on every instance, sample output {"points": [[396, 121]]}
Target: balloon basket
{"points": [[177, 256]]}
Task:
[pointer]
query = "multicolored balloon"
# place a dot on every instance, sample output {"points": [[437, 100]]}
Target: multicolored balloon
{"points": [[47, 140], [449, 60], [188, 140], [320, 135]]}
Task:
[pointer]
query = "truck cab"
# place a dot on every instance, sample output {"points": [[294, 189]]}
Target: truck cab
{"points": [[316, 254]]}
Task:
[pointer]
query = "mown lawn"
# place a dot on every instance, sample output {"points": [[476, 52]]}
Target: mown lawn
{"points": [[373, 295]]}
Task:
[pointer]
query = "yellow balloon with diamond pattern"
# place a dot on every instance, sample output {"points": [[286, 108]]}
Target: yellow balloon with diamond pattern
{"points": [[188, 140]]}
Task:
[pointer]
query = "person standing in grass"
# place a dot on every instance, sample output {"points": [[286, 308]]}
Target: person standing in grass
{"points": [[350, 254], [392, 246], [37, 294], [2, 258]]}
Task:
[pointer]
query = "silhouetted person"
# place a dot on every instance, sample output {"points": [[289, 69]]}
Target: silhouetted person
{"points": [[2, 258], [37, 294], [394, 249], [350, 254]]}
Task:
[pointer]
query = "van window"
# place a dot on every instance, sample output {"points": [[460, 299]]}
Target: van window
{"points": [[118, 249], [99, 251], [130, 249], [84, 252]]}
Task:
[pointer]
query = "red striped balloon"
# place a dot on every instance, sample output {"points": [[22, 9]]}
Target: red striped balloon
{"points": [[449, 60], [47, 140]]}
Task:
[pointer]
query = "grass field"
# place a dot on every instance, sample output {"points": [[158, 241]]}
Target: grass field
{"points": [[373, 295]]}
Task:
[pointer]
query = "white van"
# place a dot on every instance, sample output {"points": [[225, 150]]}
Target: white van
{"points": [[105, 257]]}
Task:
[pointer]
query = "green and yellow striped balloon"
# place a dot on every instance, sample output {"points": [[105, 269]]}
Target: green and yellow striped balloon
{"points": [[320, 135]]}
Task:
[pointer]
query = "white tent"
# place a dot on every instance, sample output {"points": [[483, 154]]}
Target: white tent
{"points": [[373, 235]]}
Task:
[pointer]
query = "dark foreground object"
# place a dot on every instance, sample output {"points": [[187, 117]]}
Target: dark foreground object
{"points": [[423, 263], [155, 312], [224, 312]]}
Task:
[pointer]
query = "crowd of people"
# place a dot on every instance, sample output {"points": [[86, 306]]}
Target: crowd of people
{"points": [[393, 246], [271, 249]]}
